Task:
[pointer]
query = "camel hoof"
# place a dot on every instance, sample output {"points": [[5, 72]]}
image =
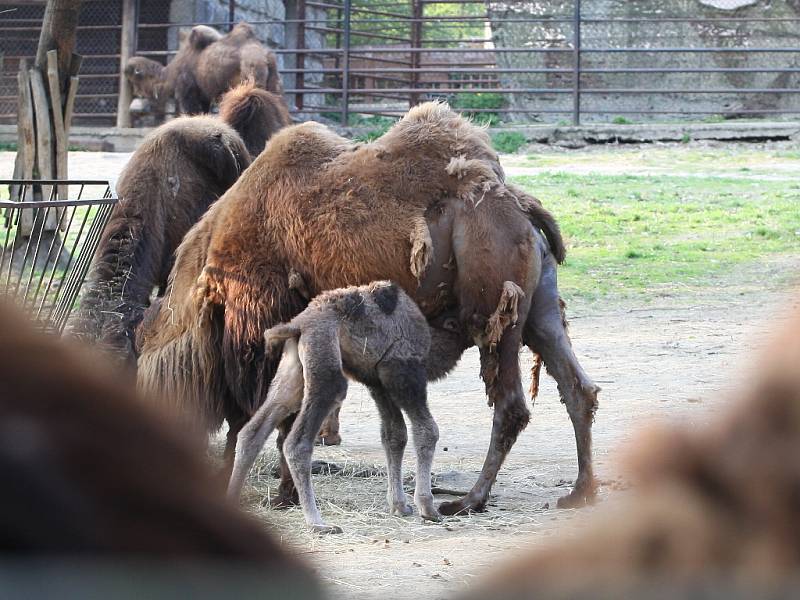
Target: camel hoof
{"points": [[326, 529], [576, 499], [460, 507], [402, 510], [328, 440], [434, 516], [281, 502]]}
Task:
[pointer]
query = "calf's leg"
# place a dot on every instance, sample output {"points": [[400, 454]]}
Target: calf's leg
{"points": [[545, 333], [394, 438], [325, 385], [405, 384], [285, 397]]}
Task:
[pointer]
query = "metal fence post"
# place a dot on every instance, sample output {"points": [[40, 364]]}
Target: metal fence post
{"points": [[300, 60], [417, 11], [346, 65], [231, 13], [576, 64]]}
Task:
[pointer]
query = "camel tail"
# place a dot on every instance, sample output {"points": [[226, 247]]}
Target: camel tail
{"points": [[542, 219], [118, 288], [254, 113], [280, 333]]}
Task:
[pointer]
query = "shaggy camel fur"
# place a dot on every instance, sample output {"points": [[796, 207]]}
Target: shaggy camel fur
{"points": [[170, 181], [377, 336], [255, 113], [89, 472], [711, 505], [206, 66], [424, 206]]}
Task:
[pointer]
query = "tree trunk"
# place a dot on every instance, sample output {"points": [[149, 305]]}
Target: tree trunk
{"points": [[59, 27]]}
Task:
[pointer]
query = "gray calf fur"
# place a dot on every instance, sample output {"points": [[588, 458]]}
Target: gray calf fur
{"points": [[376, 335]]}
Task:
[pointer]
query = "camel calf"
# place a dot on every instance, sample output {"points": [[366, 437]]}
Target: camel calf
{"points": [[376, 335]]}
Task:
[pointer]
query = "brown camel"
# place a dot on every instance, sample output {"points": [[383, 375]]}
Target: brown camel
{"points": [[424, 206], [90, 473], [206, 66], [713, 512], [169, 182]]}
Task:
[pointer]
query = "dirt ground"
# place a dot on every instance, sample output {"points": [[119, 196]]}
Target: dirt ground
{"points": [[677, 357]]}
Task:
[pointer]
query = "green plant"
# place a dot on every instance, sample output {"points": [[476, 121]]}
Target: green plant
{"points": [[686, 138], [470, 103], [8, 147], [379, 125], [621, 121], [508, 142]]}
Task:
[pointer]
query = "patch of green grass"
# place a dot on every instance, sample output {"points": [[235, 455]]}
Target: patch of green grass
{"points": [[636, 236], [8, 147], [508, 142], [620, 121], [380, 125]]}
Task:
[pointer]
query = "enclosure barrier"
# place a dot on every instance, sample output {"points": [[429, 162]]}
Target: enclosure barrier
{"points": [[47, 246], [558, 60]]}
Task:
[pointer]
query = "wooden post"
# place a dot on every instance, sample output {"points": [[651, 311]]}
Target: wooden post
{"points": [[46, 98], [126, 51]]}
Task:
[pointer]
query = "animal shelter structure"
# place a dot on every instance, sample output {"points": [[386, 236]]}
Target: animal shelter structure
{"points": [[555, 60]]}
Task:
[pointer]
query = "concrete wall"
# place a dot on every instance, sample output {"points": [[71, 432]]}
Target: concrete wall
{"points": [[660, 34]]}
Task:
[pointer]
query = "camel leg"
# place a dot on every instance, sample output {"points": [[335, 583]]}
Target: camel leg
{"points": [[325, 385], [546, 334], [425, 434], [405, 384], [299, 445], [236, 420], [285, 396], [510, 418], [329, 434], [394, 438], [287, 492]]}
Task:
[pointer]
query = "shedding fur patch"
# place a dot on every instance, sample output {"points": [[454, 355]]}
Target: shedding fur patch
{"points": [[504, 315], [421, 248], [476, 176]]}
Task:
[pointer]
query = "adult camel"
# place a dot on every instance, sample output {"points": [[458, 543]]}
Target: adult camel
{"points": [[425, 206]]}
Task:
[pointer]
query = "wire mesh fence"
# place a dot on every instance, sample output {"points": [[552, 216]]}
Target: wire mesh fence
{"points": [[98, 41], [532, 60], [46, 246]]}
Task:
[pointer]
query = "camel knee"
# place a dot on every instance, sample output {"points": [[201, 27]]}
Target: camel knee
{"points": [[514, 419]]}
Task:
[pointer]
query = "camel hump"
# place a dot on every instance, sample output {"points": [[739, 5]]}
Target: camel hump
{"points": [[203, 36], [255, 114]]}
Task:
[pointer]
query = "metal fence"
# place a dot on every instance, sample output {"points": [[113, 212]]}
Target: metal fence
{"points": [[558, 60], [47, 245], [97, 40]]}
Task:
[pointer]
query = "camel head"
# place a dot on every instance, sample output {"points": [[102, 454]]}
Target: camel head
{"points": [[147, 79]]}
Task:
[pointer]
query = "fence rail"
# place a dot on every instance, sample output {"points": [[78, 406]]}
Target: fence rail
{"points": [[560, 60]]}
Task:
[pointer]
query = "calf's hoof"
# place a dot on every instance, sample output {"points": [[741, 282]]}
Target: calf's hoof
{"points": [[325, 529], [431, 516], [333, 439], [461, 506], [400, 510]]}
